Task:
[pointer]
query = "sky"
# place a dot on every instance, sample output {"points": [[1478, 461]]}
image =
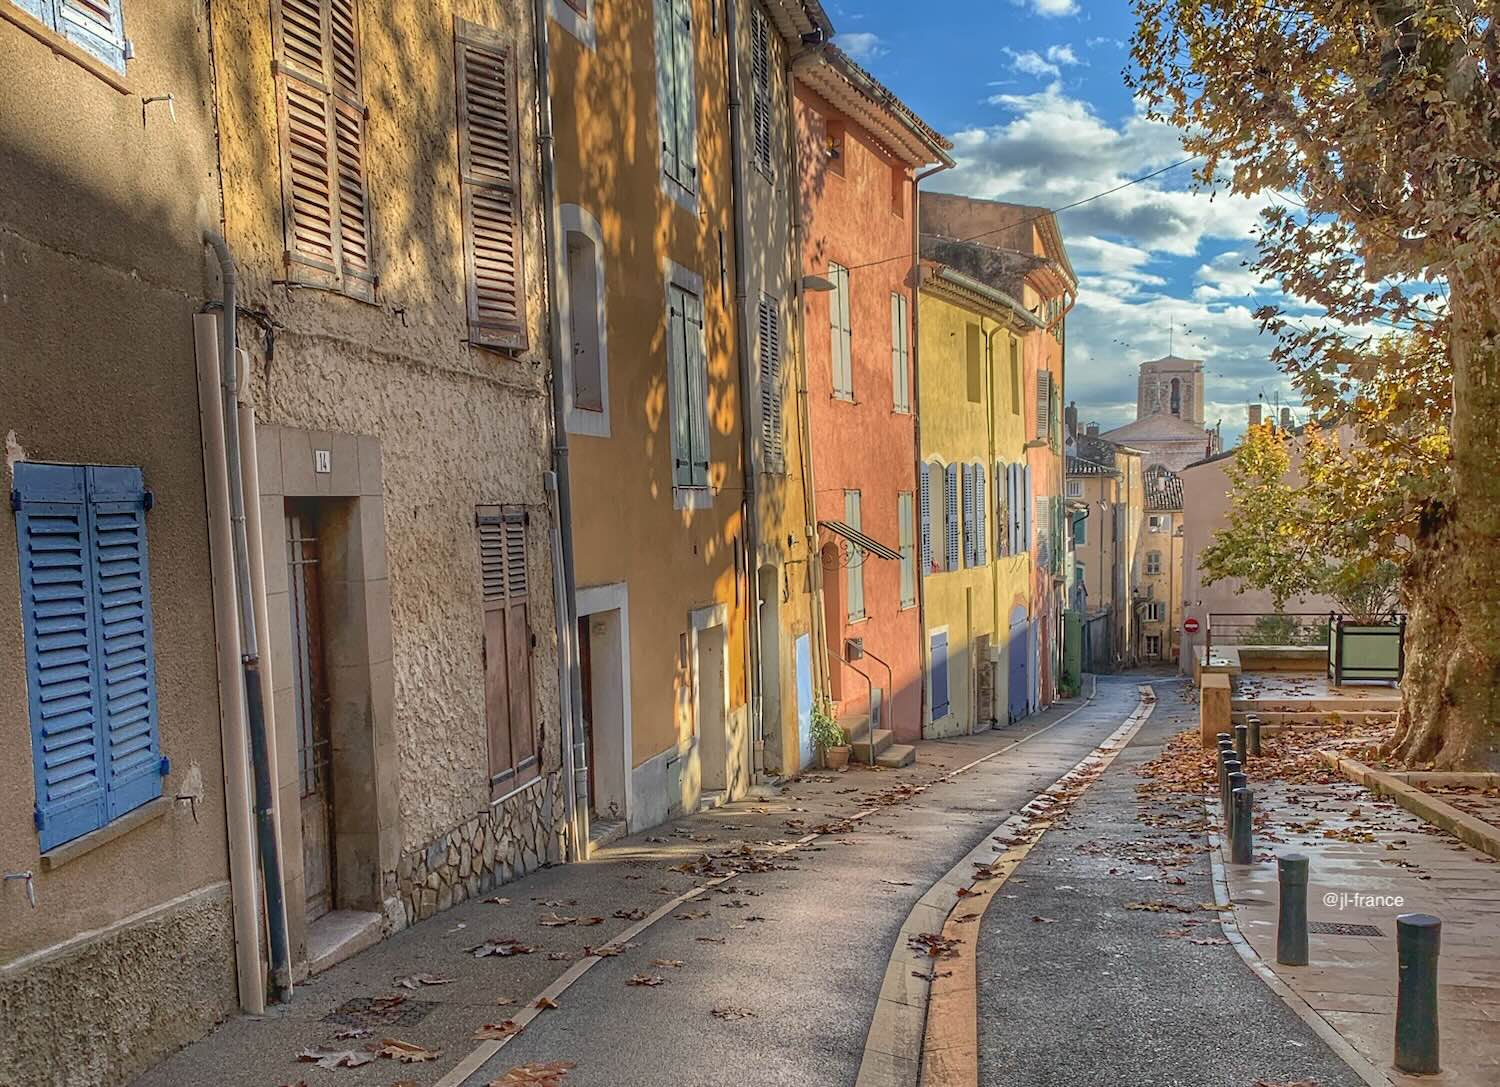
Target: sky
{"points": [[1032, 96]]}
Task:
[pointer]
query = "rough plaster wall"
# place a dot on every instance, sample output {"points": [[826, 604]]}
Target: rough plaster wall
{"points": [[102, 1011], [458, 426]]}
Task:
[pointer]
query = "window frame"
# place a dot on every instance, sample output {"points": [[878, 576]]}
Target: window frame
{"points": [[906, 534], [48, 22], [1153, 563], [900, 354], [674, 44], [687, 404], [841, 332], [854, 569], [581, 420]]}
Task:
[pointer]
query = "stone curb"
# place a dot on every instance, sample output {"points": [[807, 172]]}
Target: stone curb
{"points": [[1463, 826]]}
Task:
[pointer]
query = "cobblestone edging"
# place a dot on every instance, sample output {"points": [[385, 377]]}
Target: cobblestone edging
{"points": [[520, 834]]}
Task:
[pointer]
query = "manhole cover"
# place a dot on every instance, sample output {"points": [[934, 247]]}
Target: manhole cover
{"points": [[1340, 928], [379, 1011]]}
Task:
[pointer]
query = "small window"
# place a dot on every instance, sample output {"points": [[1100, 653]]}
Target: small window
{"points": [[97, 26], [974, 362], [905, 532], [1153, 646], [1153, 562], [900, 354], [1156, 612], [1176, 397], [677, 102], [1015, 377], [687, 370], [898, 189], [1157, 522], [842, 332], [1075, 488], [585, 327], [854, 568], [836, 143]]}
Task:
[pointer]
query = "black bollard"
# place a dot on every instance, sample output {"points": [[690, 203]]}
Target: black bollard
{"points": [[1242, 743], [1237, 780], [1224, 755], [1252, 723], [1231, 768], [1241, 845], [1418, 937], [1291, 922]]}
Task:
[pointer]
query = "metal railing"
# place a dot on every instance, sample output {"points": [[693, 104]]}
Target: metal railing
{"points": [[1265, 628]]}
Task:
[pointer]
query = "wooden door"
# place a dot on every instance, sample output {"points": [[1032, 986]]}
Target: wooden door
{"points": [[310, 698]]}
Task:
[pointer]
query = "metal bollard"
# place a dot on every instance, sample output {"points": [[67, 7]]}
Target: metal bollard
{"points": [[1418, 938], [1237, 780], [1221, 737], [1242, 743], [1226, 752], [1252, 724], [1241, 827], [1291, 921], [1231, 769]]}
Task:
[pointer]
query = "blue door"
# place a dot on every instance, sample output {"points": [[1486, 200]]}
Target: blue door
{"points": [[1018, 684], [804, 700]]}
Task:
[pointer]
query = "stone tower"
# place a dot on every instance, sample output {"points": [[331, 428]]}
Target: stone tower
{"points": [[1171, 386]]}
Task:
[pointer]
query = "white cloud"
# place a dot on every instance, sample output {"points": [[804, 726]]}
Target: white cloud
{"points": [[1031, 63], [1094, 43], [1062, 54], [1049, 9], [861, 45]]}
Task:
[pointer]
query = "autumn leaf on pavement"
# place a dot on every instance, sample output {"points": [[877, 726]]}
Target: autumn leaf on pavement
{"points": [[498, 1032], [669, 964], [407, 1052], [588, 922], [545, 1002], [1159, 907], [692, 915], [631, 915], [1039, 919], [709, 939], [503, 948], [732, 1013], [505, 1001], [326, 1057], [414, 981], [552, 920], [535, 1074], [649, 981], [497, 901], [352, 1032]]}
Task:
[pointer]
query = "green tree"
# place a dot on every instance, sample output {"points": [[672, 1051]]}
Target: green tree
{"points": [[1375, 125]]}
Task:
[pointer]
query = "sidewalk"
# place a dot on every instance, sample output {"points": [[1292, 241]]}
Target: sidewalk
{"points": [[1370, 861], [426, 987]]}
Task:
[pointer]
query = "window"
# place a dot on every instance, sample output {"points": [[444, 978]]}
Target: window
{"points": [[508, 712], [904, 530], [573, 17], [843, 335], [760, 79], [772, 448], [927, 488], [677, 103], [1015, 377], [325, 207], [981, 522], [1153, 645], [1080, 529], [855, 569], [966, 497], [585, 323], [1003, 527], [90, 664], [898, 189], [688, 375], [1156, 612], [1075, 488], [900, 354], [489, 181], [1157, 522], [938, 666], [950, 515], [1153, 562], [1176, 397], [835, 133], [1044, 532], [95, 25], [974, 362]]}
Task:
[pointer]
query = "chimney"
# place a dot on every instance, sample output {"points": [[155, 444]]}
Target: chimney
{"points": [[1071, 416], [1092, 430], [1255, 415], [1286, 418]]}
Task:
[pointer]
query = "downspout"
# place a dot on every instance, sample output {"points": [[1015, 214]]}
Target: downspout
{"points": [[570, 685], [751, 499], [265, 819], [916, 415]]}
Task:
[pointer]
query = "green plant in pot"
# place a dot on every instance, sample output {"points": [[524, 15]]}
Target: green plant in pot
{"points": [[828, 738]]}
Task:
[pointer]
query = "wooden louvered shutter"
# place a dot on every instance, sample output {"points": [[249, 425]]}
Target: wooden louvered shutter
{"points": [[697, 389], [509, 714], [981, 519], [97, 25], [760, 77], [1043, 403], [772, 443], [966, 492], [924, 501], [950, 514], [322, 123], [939, 669], [489, 170]]}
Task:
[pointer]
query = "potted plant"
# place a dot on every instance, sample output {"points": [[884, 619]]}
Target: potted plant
{"points": [[828, 738]]}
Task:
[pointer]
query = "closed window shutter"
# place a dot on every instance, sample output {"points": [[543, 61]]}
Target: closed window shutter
{"points": [[771, 441], [687, 101], [924, 501], [679, 393], [939, 675], [838, 311], [1044, 532], [86, 620], [490, 182], [760, 77], [1028, 537], [666, 87], [322, 121], [908, 559], [856, 566], [967, 497], [950, 514], [97, 25], [697, 389], [1043, 402], [509, 714], [981, 522]]}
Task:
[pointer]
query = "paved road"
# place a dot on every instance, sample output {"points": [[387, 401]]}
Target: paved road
{"points": [[812, 971], [1103, 996]]}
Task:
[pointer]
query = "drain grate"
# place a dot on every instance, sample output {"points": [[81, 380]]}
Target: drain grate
{"points": [[379, 1011], [1340, 928]]}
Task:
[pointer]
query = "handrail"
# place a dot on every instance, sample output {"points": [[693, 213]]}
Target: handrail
{"points": [[869, 715]]}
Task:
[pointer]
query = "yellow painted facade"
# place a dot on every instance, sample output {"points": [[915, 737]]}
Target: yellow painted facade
{"points": [[971, 415]]}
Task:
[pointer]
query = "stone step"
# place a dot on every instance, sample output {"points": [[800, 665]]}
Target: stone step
{"points": [[1314, 718], [896, 755], [1320, 704], [861, 744]]}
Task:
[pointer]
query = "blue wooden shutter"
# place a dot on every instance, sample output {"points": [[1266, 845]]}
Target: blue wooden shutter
{"points": [[123, 637], [924, 501], [966, 492], [939, 675], [1028, 530], [950, 515], [981, 522], [97, 25], [62, 680]]}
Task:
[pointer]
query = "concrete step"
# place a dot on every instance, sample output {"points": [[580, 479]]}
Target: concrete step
{"points": [[1313, 718], [1319, 704], [896, 755], [861, 744]]}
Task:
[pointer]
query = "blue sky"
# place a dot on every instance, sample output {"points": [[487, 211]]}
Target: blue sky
{"points": [[1031, 93]]}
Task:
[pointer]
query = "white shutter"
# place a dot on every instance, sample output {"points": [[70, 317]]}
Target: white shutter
{"points": [[1043, 402], [856, 567], [950, 515], [900, 354], [697, 385], [687, 99], [905, 545], [924, 499], [666, 87], [981, 522], [679, 390]]}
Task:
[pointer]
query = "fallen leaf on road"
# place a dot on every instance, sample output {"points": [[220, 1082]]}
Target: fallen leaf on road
{"points": [[556, 902], [545, 1002], [1211, 906], [898, 882], [670, 964], [498, 1032], [534, 1074], [407, 1052], [1159, 907], [414, 981], [325, 1057], [552, 920], [589, 922], [692, 915], [1039, 919], [497, 901], [1206, 940], [709, 939], [964, 892], [631, 915], [386, 1003], [649, 981], [352, 1032], [504, 948], [732, 1013], [505, 1001], [558, 956]]}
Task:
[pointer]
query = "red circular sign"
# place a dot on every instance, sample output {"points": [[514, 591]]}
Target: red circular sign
{"points": [[1190, 625]]}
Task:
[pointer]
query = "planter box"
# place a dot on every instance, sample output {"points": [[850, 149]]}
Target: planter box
{"points": [[1366, 651]]}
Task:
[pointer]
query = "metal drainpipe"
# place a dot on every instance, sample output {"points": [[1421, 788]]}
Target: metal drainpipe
{"points": [[916, 415], [567, 637], [270, 858], [753, 677]]}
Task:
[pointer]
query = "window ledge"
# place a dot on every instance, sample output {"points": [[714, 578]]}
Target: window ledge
{"points": [[62, 47], [148, 812], [530, 783], [847, 398], [692, 498]]}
